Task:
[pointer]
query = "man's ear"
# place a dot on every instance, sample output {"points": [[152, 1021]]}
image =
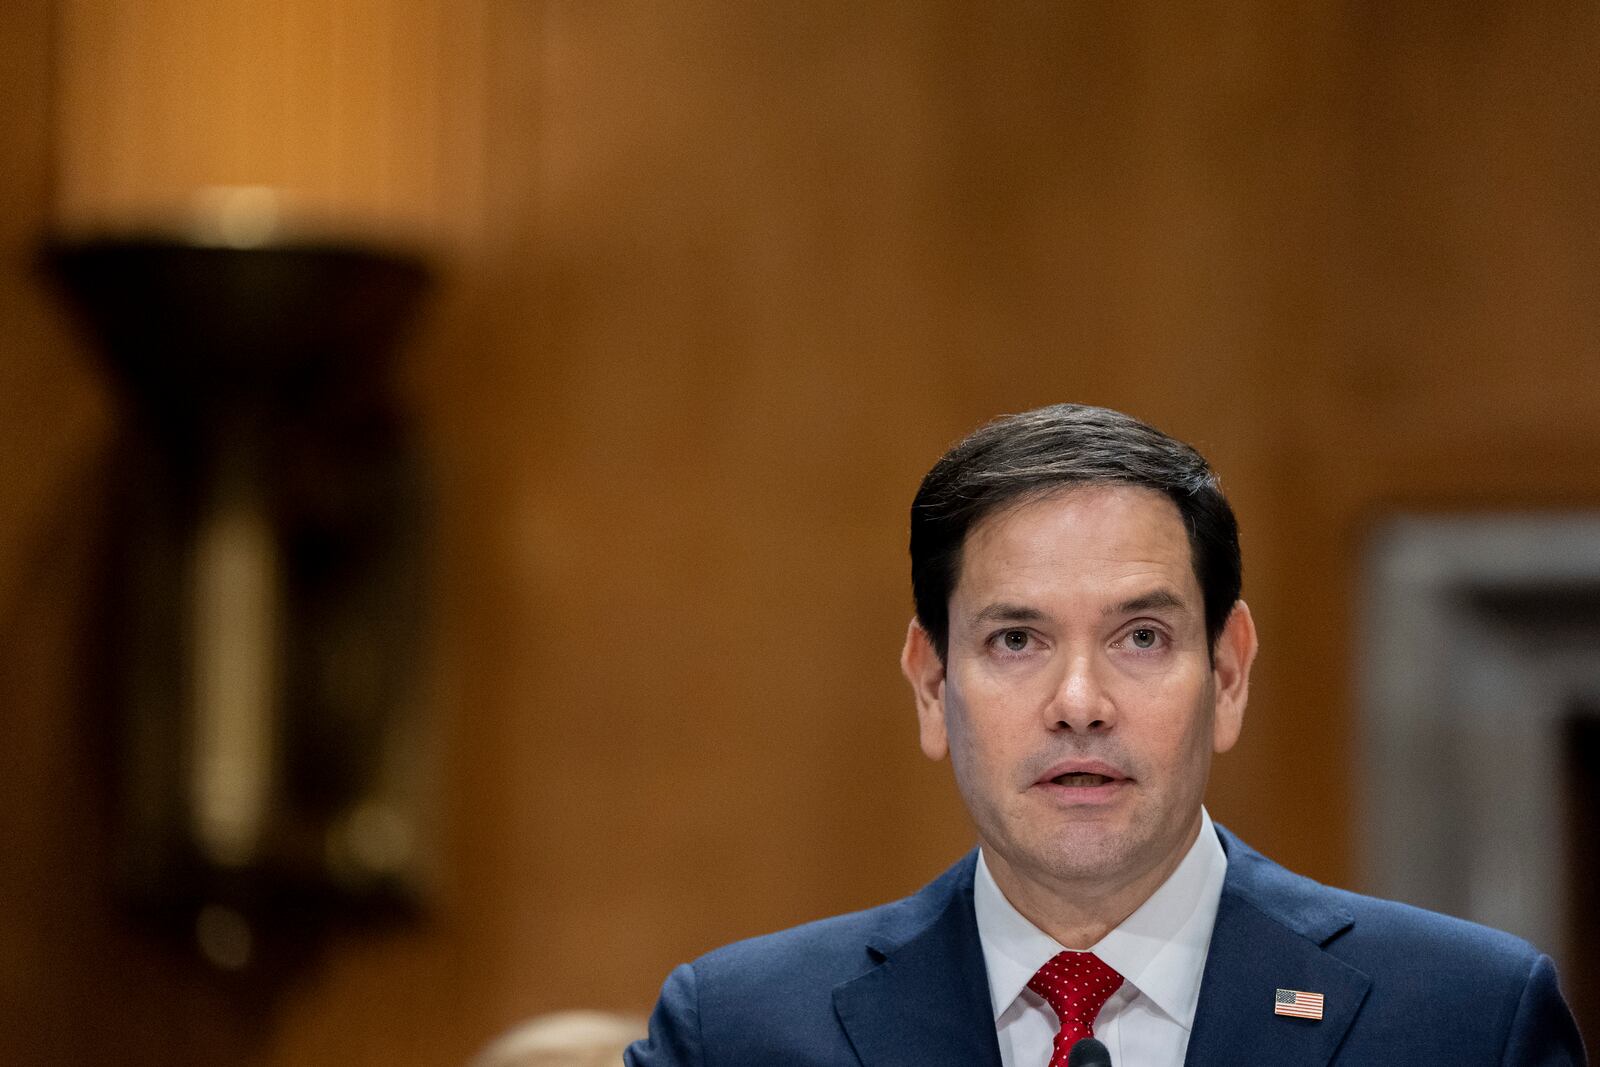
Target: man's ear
{"points": [[925, 671], [1230, 673]]}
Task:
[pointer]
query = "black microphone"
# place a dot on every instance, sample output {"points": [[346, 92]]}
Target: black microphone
{"points": [[1089, 1053]]}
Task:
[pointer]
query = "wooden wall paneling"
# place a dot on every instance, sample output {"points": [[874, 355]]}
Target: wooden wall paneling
{"points": [[698, 386]]}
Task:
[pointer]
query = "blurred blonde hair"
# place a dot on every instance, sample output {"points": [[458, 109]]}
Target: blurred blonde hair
{"points": [[564, 1039]]}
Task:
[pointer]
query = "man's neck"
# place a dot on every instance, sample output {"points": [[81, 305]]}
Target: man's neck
{"points": [[1078, 913]]}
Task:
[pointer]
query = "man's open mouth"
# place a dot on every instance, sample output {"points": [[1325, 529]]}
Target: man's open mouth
{"points": [[1082, 779]]}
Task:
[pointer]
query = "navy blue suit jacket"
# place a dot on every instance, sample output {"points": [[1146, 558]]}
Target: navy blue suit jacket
{"points": [[905, 984]]}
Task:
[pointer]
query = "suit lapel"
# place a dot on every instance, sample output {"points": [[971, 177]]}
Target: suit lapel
{"points": [[927, 1000], [1270, 932]]}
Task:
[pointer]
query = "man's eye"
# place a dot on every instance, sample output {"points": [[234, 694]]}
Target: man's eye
{"points": [[1014, 640], [1143, 638]]}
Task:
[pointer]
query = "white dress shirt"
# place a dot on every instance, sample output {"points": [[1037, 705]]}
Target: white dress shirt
{"points": [[1160, 951]]}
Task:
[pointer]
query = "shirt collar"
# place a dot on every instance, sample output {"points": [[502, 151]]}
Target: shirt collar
{"points": [[1160, 950]]}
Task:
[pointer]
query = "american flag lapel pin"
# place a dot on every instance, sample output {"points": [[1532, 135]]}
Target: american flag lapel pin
{"points": [[1300, 1004]]}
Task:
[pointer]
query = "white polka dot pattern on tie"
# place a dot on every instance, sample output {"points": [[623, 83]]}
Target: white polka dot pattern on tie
{"points": [[1076, 985]]}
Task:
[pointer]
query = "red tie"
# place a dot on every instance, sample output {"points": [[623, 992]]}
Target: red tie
{"points": [[1076, 985]]}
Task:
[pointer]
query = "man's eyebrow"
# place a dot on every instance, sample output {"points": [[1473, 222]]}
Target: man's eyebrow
{"points": [[1154, 600], [1003, 612]]}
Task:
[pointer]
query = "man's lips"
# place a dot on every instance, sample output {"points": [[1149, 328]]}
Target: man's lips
{"points": [[1082, 784], [1082, 774]]}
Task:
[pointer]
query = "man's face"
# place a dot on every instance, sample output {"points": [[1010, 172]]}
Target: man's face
{"points": [[1078, 702]]}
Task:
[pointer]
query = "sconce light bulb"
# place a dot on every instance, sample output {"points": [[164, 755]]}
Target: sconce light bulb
{"points": [[238, 216]]}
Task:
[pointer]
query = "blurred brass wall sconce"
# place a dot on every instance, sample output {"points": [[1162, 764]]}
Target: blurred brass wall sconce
{"points": [[261, 638]]}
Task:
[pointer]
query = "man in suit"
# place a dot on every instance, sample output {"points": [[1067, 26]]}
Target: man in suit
{"points": [[1079, 652]]}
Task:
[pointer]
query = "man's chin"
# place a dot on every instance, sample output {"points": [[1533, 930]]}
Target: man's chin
{"points": [[1084, 856], [1091, 859]]}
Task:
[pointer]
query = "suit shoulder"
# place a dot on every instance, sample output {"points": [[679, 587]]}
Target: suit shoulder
{"points": [[1380, 936], [1398, 929], [1472, 987], [1339, 916]]}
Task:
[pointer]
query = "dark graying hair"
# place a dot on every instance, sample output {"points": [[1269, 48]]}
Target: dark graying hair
{"points": [[1018, 456]]}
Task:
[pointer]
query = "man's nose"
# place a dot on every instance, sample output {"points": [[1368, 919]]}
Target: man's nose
{"points": [[1080, 703]]}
